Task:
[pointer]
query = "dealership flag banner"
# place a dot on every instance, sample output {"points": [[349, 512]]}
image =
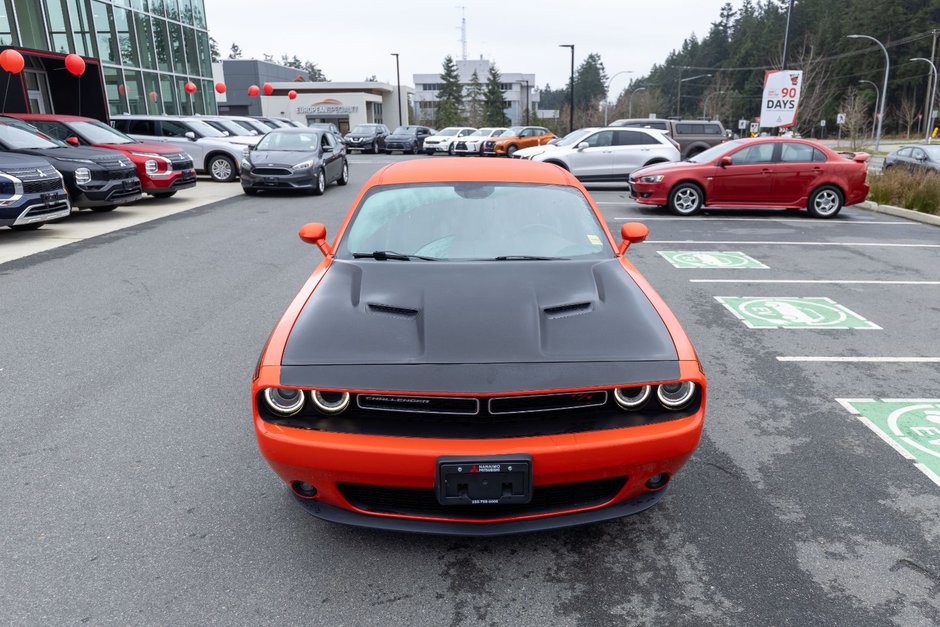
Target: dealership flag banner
{"points": [[781, 98]]}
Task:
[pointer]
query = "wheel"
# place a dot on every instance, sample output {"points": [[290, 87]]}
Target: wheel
{"points": [[686, 199], [511, 150], [387, 151], [104, 209], [250, 191], [320, 186], [450, 150], [26, 227], [375, 148], [825, 202], [414, 149], [344, 177], [163, 194], [221, 168], [429, 153]]}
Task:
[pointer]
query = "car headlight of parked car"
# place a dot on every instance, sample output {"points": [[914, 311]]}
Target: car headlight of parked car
{"points": [[246, 165], [657, 178], [150, 166], [82, 176], [306, 165]]}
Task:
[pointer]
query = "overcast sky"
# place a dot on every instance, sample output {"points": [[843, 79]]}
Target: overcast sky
{"points": [[352, 39]]}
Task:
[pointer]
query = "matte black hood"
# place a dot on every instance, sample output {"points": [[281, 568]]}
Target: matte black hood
{"points": [[261, 158], [401, 138], [99, 156]]}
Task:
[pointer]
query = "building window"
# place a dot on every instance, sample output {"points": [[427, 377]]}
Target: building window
{"points": [[505, 87], [107, 46]]}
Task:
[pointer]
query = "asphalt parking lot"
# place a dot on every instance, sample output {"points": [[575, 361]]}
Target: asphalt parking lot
{"points": [[135, 493]]}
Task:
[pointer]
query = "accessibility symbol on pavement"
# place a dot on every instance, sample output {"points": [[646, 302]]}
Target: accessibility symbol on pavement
{"points": [[711, 259], [911, 427], [770, 312]]}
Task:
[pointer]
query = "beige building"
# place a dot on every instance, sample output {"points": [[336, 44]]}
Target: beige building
{"points": [[343, 104]]}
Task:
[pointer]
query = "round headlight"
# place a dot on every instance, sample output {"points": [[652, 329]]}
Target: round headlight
{"points": [[150, 165], [330, 402], [632, 398], [284, 402], [675, 395], [82, 176]]}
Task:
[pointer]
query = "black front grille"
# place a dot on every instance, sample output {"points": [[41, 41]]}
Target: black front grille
{"points": [[41, 186], [423, 502], [112, 163], [39, 210], [182, 165], [186, 179], [489, 145], [116, 175], [460, 146], [272, 171]]}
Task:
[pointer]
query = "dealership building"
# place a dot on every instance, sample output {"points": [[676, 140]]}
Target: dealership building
{"points": [[139, 55]]}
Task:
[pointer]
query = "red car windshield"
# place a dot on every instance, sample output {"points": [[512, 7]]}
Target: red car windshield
{"points": [[717, 151], [100, 133]]}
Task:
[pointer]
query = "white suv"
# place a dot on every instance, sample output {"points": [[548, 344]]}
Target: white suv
{"points": [[445, 139], [472, 144], [596, 155]]}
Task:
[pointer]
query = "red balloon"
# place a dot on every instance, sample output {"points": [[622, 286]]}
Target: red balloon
{"points": [[190, 88], [75, 64], [220, 87], [253, 90], [122, 89], [153, 96], [12, 61], [291, 94], [268, 89]]}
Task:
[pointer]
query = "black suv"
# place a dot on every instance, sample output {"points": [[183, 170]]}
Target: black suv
{"points": [[32, 192], [693, 136], [408, 139], [365, 137], [95, 178]]}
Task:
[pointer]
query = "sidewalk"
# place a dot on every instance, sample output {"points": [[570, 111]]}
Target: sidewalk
{"points": [[84, 224]]}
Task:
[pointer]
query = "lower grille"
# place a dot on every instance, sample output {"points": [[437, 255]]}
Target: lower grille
{"points": [[422, 502], [186, 179], [39, 210], [40, 186], [182, 165], [272, 171], [393, 146], [116, 175], [461, 146]]}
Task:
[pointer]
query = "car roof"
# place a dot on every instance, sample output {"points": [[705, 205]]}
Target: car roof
{"points": [[484, 170], [294, 129], [50, 117]]}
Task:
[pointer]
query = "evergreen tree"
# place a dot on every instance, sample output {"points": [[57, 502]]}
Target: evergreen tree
{"points": [[234, 53], [474, 101], [450, 96], [214, 55], [493, 103]]}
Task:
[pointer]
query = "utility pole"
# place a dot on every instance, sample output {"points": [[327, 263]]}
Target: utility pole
{"points": [[571, 105], [933, 52], [786, 37], [463, 32], [398, 87]]}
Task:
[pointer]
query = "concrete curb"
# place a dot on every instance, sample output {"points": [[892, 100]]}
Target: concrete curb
{"points": [[917, 216]]}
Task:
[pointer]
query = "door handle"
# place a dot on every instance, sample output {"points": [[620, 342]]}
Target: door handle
{"points": [[765, 171]]}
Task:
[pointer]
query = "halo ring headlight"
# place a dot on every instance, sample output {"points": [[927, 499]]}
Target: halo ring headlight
{"points": [[632, 398], [676, 395], [283, 401], [330, 402]]}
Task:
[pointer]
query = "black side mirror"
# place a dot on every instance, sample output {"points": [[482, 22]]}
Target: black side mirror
{"points": [[327, 149]]}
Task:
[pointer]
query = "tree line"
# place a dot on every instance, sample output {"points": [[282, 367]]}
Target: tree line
{"points": [[313, 72]]}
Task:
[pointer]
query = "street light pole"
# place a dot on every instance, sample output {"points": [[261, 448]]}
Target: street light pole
{"points": [[679, 90], [933, 98], [630, 106], [786, 37], [571, 104], [884, 88], [877, 100], [397, 87], [607, 92], [526, 100]]}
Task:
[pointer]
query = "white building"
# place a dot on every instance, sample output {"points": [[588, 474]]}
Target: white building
{"points": [[519, 93]]}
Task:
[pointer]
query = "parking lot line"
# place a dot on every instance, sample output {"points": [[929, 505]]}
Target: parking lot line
{"points": [[816, 281], [758, 243], [861, 360], [806, 221]]}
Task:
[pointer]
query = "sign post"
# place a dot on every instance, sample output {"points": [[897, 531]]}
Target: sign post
{"points": [[781, 98], [840, 120]]}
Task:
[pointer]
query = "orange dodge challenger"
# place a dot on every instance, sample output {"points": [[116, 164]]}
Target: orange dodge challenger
{"points": [[516, 138], [475, 355]]}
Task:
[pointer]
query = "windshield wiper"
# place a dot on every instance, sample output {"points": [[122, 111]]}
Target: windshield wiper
{"points": [[525, 258], [383, 255]]}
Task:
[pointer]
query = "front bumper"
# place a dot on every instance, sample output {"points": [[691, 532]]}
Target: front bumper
{"points": [[304, 179], [102, 194], [32, 209], [649, 193], [431, 148], [366, 145], [392, 146], [461, 148]]}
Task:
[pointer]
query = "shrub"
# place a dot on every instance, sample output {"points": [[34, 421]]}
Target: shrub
{"points": [[902, 187]]}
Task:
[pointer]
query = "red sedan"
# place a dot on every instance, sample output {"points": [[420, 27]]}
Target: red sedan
{"points": [[763, 172], [162, 168]]}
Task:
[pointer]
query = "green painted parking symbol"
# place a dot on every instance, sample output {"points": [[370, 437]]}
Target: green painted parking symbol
{"points": [[909, 426], [711, 259], [768, 312]]}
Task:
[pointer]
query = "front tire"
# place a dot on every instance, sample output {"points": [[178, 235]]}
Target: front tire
{"points": [[451, 151], [414, 149], [344, 177], [825, 202], [221, 169], [26, 227], [686, 199], [511, 150], [320, 185], [250, 191]]}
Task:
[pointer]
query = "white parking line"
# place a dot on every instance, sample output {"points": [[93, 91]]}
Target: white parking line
{"points": [[862, 360], [757, 243], [806, 221], [825, 281]]}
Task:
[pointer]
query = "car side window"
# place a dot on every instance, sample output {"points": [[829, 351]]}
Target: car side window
{"points": [[173, 129], [905, 152], [919, 154], [326, 141], [600, 139], [137, 127], [759, 153], [630, 138], [818, 156], [797, 153], [712, 129]]}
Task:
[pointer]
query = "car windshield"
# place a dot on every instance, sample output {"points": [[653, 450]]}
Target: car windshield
{"points": [[365, 129], [511, 132], [251, 125], [232, 128], [204, 129], [100, 133], [573, 138], [20, 136], [932, 151], [483, 132], [716, 151], [406, 130], [293, 142], [476, 221], [449, 131]]}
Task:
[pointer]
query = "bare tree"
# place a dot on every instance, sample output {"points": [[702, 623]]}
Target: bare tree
{"points": [[907, 112], [815, 89], [857, 118], [716, 102]]}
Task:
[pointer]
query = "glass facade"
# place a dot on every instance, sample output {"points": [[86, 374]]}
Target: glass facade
{"points": [[149, 49]]}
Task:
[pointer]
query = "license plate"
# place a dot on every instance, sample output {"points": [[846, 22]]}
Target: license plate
{"points": [[500, 480], [49, 198]]}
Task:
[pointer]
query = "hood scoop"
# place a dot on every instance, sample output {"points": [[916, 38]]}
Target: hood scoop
{"points": [[566, 311], [392, 310]]}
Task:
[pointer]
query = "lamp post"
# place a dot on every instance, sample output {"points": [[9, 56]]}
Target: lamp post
{"points": [[884, 87], [630, 105], [397, 87], [933, 97], [571, 104], [526, 100], [877, 100], [607, 92], [705, 103], [786, 37], [679, 91]]}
